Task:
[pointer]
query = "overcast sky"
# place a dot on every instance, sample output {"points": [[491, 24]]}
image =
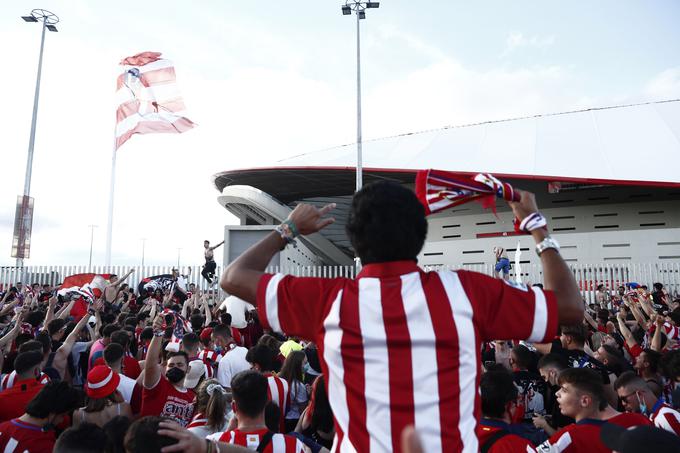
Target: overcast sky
{"points": [[269, 79]]}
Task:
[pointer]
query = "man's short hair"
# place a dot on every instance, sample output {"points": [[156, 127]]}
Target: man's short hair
{"points": [[190, 341], [670, 365], [55, 325], [143, 437], [32, 345], [108, 330], [54, 398], [577, 332], [197, 322], [498, 389], [631, 381], [85, 438], [553, 360], [585, 380], [121, 337], [523, 357], [249, 390], [27, 360], [172, 354], [386, 222], [222, 330], [262, 356], [146, 334], [113, 352]]}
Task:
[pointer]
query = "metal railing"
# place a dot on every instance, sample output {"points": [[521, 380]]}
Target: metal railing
{"points": [[588, 276]]}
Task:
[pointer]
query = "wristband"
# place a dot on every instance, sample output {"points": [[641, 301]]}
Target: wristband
{"points": [[532, 222], [286, 234], [292, 227]]}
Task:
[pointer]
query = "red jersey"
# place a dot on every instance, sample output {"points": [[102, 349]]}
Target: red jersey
{"points": [[21, 437], [510, 443], [280, 443], [211, 359], [401, 346], [663, 416], [585, 434], [7, 381], [130, 366], [14, 400], [165, 400]]}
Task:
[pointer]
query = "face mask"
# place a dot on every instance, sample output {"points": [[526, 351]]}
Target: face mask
{"points": [[175, 375], [643, 406]]}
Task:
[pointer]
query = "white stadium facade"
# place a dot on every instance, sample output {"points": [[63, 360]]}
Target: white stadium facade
{"points": [[608, 180]]}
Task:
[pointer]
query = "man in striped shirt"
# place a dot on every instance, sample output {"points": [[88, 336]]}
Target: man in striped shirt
{"points": [[249, 389], [636, 396], [261, 358], [400, 346]]}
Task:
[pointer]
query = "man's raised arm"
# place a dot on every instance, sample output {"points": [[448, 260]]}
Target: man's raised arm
{"points": [[556, 274], [241, 277]]}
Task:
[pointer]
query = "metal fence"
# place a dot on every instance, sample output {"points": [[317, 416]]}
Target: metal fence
{"points": [[588, 276]]}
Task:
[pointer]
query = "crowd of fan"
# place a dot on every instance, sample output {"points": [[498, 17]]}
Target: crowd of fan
{"points": [[103, 382], [106, 381]]}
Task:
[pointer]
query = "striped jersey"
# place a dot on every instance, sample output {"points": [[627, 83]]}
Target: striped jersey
{"points": [[401, 346], [280, 443], [278, 392], [211, 359], [665, 417]]}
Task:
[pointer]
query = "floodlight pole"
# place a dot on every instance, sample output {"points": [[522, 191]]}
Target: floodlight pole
{"points": [[359, 138], [47, 18], [92, 227], [359, 8]]}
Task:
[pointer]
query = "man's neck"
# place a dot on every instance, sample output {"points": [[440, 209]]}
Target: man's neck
{"points": [[117, 368], [645, 373], [505, 418], [26, 376], [574, 347], [250, 424], [587, 413], [33, 420]]}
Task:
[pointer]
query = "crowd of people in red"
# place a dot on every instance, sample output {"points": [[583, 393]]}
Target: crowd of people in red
{"points": [[398, 359]]}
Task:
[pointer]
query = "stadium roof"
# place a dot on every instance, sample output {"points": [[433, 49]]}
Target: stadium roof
{"points": [[623, 145]]}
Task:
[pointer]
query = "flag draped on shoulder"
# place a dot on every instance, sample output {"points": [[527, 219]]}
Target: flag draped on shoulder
{"points": [[148, 98], [84, 289]]}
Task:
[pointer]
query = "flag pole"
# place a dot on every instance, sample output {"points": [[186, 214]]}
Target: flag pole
{"points": [[109, 226]]}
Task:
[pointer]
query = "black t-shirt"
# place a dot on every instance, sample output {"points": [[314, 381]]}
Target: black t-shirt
{"points": [[577, 358]]}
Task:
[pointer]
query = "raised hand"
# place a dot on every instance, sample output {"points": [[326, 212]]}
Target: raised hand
{"points": [[309, 219]]}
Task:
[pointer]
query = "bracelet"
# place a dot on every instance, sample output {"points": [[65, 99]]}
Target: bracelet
{"points": [[293, 228], [286, 234], [532, 222]]}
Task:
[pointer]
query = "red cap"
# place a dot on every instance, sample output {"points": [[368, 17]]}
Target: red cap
{"points": [[101, 382], [206, 334]]}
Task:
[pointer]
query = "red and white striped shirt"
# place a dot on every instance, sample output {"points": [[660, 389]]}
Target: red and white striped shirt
{"points": [[211, 360], [280, 443], [402, 347], [665, 417], [278, 392]]}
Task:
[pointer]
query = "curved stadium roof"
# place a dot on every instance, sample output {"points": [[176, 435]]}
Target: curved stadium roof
{"points": [[625, 145]]}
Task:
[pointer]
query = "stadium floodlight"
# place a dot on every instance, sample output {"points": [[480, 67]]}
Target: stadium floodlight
{"points": [[23, 228], [359, 8]]}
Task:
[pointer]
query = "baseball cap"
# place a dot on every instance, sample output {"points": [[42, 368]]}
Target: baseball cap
{"points": [[196, 371], [206, 334], [101, 382], [638, 438]]}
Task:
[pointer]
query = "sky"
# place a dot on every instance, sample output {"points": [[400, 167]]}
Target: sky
{"points": [[269, 79]]}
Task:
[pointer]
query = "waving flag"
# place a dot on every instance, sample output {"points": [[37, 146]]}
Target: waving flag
{"points": [[85, 289], [148, 98], [438, 190]]}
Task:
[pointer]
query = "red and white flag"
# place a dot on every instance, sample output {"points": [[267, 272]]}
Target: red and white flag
{"points": [[148, 98]]}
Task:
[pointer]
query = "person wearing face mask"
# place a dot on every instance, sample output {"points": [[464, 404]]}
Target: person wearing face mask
{"points": [[34, 430], [549, 367], [164, 393], [636, 396], [497, 431], [14, 400]]}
